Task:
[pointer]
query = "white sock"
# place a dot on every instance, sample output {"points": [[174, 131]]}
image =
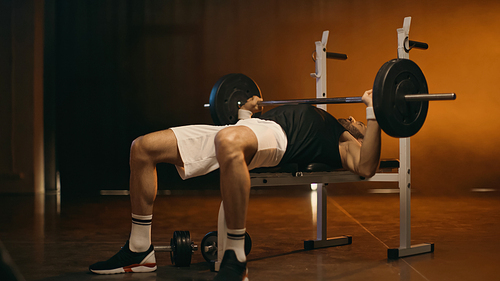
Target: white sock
{"points": [[236, 241], [140, 235]]}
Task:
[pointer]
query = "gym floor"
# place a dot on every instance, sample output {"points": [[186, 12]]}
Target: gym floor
{"points": [[50, 238]]}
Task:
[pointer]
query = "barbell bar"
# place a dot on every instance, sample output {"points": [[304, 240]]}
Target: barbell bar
{"points": [[408, 98], [400, 98]]}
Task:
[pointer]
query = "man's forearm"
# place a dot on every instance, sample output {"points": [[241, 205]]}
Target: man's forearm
{"points": [[370, 149]]}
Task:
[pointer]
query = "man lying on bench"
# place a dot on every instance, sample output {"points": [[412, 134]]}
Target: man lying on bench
{"points": [[299, 134]]}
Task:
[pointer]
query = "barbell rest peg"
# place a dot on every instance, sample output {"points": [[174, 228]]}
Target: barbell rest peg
{"points": [[329, 55], [336, 56], [410, 44], [418, 45]]}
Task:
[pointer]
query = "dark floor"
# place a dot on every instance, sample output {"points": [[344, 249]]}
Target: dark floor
{"points": [[51, 239]]}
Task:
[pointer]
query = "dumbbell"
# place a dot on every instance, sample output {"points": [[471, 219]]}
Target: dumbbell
{"points": [[181, 248]]}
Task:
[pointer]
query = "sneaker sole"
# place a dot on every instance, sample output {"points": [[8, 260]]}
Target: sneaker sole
{"points": [[246, 276], [135, 268]]}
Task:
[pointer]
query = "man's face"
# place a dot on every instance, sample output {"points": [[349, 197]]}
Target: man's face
{"points": [[356, 128]]}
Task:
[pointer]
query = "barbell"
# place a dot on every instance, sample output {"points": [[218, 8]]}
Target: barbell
{"points": [[400, 98]]}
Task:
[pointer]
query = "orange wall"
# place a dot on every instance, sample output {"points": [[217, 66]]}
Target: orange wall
{"points": [[272, 42], [130, 67]]}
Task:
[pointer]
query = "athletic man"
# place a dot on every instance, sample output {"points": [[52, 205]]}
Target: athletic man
{"points": [[288, 134]]}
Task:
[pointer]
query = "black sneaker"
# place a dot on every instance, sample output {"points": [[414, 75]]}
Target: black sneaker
{"points": [[231, 269], [126, 261]]}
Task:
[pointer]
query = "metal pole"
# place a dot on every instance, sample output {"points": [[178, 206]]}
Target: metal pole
{"points": [[314, 101]]}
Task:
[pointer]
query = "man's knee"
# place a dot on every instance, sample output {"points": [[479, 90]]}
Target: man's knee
{"points": [[142, 150], [235, 143], [138, 151]]}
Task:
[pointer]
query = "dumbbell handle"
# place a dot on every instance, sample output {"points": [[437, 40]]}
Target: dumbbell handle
{"points": [[408, 98], [163, 248], [169, 248]]}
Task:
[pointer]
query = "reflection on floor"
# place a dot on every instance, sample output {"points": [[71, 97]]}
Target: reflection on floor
{"points": [[53, 239]]}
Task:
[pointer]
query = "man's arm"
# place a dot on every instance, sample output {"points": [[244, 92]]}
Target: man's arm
{"points": [[249, 108], [364, 160]]}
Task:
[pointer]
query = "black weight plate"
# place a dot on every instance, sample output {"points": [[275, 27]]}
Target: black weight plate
{"points": [[248, 243], [225, 95], [209, 246], [181, 248], [210, 240], [395, 79]]}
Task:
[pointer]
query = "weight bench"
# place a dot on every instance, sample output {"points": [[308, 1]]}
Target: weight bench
{"points": [[390, 171], [315, 173], [312, 174]]}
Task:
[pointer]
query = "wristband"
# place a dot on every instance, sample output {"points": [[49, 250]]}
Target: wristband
{"points": [[370, 114], [244, 114]]}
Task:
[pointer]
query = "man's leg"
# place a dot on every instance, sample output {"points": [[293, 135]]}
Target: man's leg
{"points": [[235, 148], [137, 255], [146, 152]]}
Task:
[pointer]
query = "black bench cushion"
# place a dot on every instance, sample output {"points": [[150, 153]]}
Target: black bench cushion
{"points": [[318, 167]]}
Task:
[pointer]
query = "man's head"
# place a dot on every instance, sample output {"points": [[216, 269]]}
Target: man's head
{"points": [[356, 128]]}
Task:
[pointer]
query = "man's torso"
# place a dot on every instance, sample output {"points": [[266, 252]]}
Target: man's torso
{"points": [[313, 134]]}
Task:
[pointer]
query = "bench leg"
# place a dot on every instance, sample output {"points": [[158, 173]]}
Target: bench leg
{"points": [[405, 248], [321, 240]]}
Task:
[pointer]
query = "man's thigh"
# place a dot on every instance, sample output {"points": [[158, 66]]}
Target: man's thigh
{"points": [[271, 141]]}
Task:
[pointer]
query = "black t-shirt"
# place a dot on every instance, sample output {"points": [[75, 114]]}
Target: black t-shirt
{"points": [[313, 134]]}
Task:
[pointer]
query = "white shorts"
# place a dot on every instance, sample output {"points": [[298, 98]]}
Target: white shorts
{"points": [[197, 147]]}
